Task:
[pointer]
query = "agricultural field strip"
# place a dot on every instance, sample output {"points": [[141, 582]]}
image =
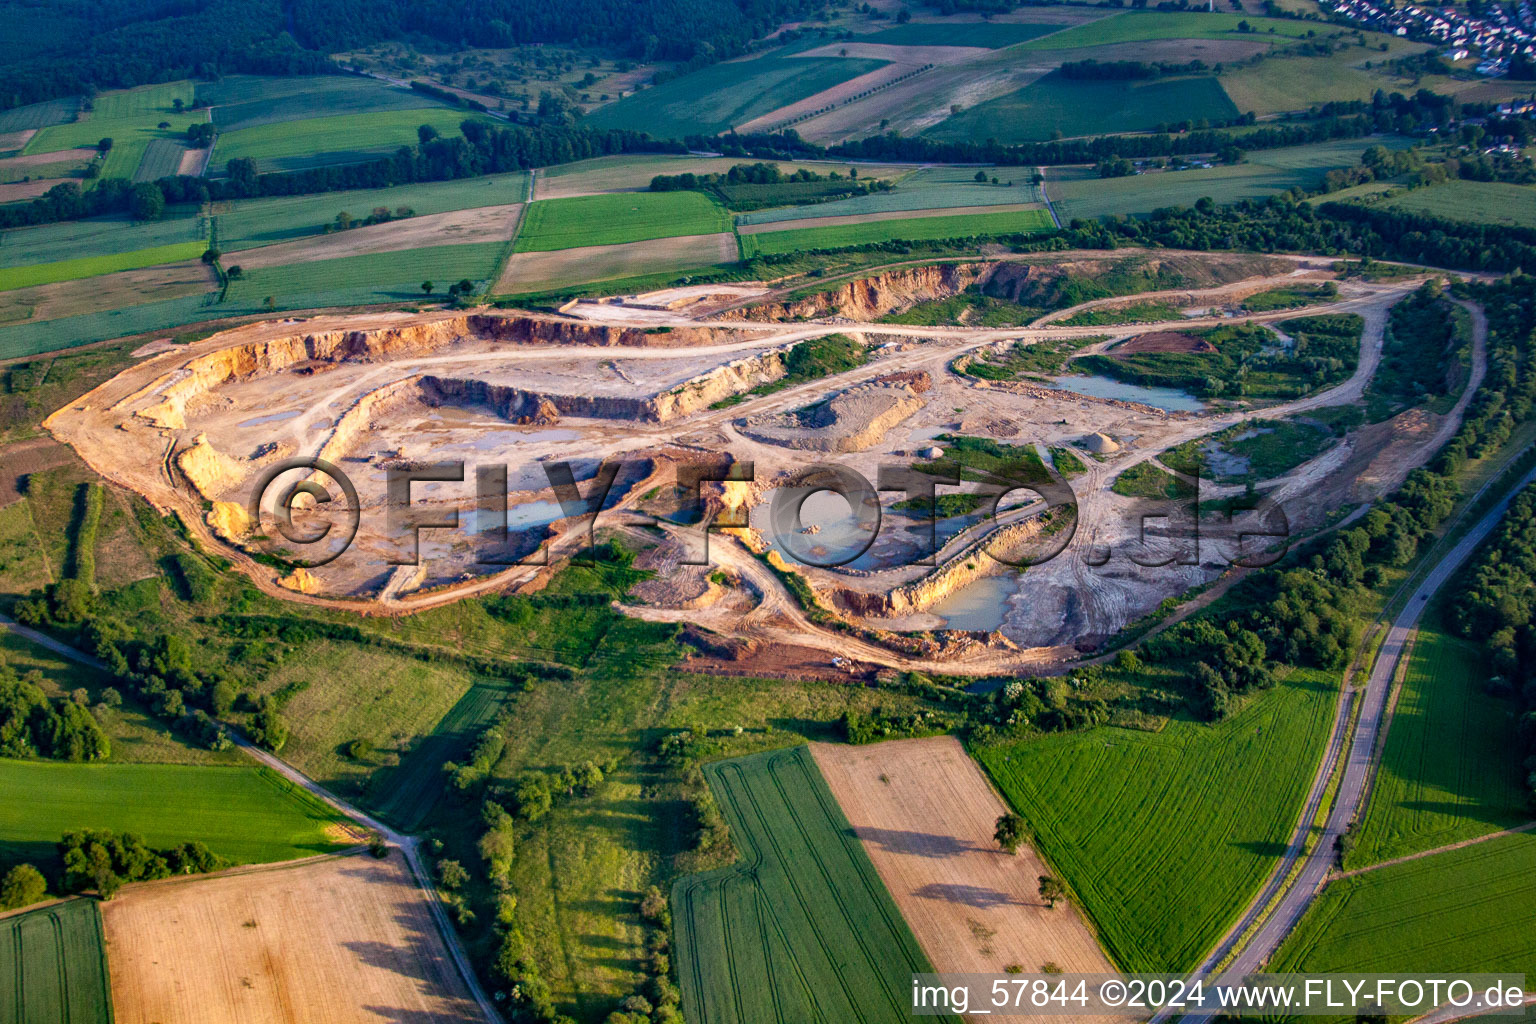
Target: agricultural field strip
{"points": [[871, 218], [1437, 851], [53, 965], [409, 845], [95, 266], [770, 858]]}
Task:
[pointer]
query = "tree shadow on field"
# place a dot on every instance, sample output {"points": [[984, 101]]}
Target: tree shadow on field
{"points": [[399, 1015], [917, 844], [969, 895]]}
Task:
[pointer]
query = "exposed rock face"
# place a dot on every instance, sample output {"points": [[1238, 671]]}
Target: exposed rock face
{"points": [[202, 374], [209, 471], [966, 566], [301, 581], [229, 521], [872, 297], [852, 421]]}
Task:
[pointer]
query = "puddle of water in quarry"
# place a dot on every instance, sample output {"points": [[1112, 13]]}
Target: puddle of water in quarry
{"points": [[1108, 387], [271, 417], [981, 604]]}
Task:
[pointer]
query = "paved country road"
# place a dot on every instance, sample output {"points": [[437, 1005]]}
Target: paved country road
{"points": [[409, 845], [1360, 766]]}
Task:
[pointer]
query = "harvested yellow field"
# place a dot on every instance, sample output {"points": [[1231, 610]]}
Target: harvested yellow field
{"points": [[344, 940], [535, 271], [457, 227], [926, 814]]}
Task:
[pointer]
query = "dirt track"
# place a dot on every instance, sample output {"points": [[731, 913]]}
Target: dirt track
{"points": [[344, 940]]}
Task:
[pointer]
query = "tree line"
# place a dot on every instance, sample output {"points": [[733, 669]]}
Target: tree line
{"points": [[1493, 607], [73, 48], [481, 149]]}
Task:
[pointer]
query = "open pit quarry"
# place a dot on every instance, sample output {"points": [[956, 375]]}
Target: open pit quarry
{"points": [[697, 376]]}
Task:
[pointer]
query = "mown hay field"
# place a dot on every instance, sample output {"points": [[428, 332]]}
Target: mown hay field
{"points": [[610, 219], [130, 118], [247, 223], [93, 266], [362, 280], [1080, 192], [926, 814], [992, 35], [931, 188], [1056, 104], [53, 966], [1139, 26], [801, 927], [632, 172], [721, 96], [914, 229], [1445, 772], [245, 814], [1482, 202], [1165, 836], [343, 138], [528, 272], [247, 101], [96, 237]]}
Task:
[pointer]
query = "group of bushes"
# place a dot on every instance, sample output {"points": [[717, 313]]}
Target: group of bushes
{"points": [[104, 860], [31, 725]]}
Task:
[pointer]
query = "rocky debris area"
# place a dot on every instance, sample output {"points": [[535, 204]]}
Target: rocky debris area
{"points": [[851, 421]]}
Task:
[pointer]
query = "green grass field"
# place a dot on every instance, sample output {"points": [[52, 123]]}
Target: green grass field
{"points": [[1466, 910], [1079, 192], [246, 814], [53, 966], [96, 237], [916, 229], [130, 118], [1057, 104], [1165, 836], [247, 223], [931, 188], [344, 138], [993, 36], [247, 101], [610, 219], [1484, 202], [93, 266], [1296, 83], [162, 158], [407, 793], [1137, 26], [362, 280], [389, 700], [721, 96], [37, 115], [1446, 774], [801, 927], [35, 337]]}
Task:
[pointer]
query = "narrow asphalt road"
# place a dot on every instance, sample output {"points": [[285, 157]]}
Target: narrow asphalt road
{"points": [[1360, 766], [409, 845]]}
